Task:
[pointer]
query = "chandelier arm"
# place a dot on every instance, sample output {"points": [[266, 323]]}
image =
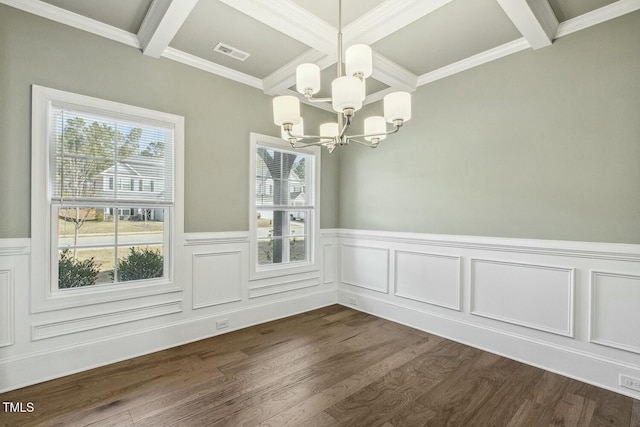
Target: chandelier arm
{"points": [[366, 144], [292, 136], [345, 128], [373, 135], [319, 99], [309, 144]]}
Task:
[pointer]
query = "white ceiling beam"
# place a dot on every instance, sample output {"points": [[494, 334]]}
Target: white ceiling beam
{"points": [[392, 74], [290, 19], [161, 24], [387, 18], [285, 77], [65, 17], [598, 16], [535, 20]]}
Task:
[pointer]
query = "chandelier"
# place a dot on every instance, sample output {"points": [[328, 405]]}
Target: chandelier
{"points": [[347, 94]]}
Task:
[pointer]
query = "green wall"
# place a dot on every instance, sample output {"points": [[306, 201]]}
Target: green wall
{"points": [[541, 144], [219, 115]]}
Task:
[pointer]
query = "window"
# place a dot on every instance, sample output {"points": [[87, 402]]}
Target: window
{"points": [[104, 236], [285, 217]]}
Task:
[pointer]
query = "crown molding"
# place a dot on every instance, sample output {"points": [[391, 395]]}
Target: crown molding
{"points": [[57, 14], [535, 20], [161, 23], [290, 19], [475, 60], [211, 67], [598, 16], [388, 18]]}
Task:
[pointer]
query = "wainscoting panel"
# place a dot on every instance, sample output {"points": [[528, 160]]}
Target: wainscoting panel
{"points": [[615, 310], [366, 267], [217, 278], [329, 257], [429, 278], [530, 295], [104, 319], [7, 304]]}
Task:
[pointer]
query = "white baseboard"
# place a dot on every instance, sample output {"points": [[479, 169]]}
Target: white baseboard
{"points": [[579, 365], [28, 369]]}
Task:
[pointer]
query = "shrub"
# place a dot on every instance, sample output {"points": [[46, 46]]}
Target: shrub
{"points": [[75, 274], [140, 264], [99, 216]]}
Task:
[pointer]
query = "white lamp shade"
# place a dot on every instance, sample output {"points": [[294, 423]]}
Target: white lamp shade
{"points": [[297, 130], [346, 93], [359, 59], [286, 109], [308, 77], [375, 125], [397, 106], [329, 130]]}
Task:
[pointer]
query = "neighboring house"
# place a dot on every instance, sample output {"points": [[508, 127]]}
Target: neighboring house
{"points": [[265, 192], [136, 177]]}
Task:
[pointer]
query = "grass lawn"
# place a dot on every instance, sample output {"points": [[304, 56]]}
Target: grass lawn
{"points": [[66, 228]]}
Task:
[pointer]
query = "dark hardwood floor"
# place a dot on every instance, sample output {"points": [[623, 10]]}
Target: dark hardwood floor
{"points": [[329, 367]]}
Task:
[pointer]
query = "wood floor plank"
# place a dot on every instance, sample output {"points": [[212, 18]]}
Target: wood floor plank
{"points": [[329, 367]]}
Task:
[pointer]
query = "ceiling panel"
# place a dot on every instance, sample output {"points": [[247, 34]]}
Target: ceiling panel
{"points": [[328, 9], [124, 14], [456, 31], [212, 22], [567, 9]]}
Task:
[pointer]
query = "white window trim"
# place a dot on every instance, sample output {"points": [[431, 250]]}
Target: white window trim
{"points": [[313, 263], [43, 298]]}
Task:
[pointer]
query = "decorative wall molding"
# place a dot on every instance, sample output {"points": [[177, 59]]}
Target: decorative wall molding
{"points": [[535, 296], [216, 278], [10, 247], [40, 331], [365, 267], [589, 250], [7, 307], [330, 258], [427, 277], [614, 310], [283, 286], [203, 239]]}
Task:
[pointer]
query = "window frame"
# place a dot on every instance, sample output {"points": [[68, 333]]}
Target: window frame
{"points": [[45, 295], [313, 223]]}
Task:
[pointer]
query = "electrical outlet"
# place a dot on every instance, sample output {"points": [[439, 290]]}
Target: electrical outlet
{"points": [[223, 323], [353, 301], [630, 382]]}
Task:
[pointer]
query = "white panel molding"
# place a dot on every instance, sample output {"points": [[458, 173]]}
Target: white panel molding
{"points": [[35, 367], [281, 286], [454, 284], [218, 283], [40, 331], [10, 247], [7, 307], [598, 16], [329, 258], [623, 315], [535, 20], [216, 238], [63, 16], [368, 270], [517, 268], [161, 23], [290, 19], [575, 363], [589, 250], [474, 61], [211, 67]]}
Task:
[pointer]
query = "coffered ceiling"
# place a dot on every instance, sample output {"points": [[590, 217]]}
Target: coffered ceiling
{"points": [[415, 42]]}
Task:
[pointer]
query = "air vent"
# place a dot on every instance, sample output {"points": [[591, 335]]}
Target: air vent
{"points": [[231, 51]]}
